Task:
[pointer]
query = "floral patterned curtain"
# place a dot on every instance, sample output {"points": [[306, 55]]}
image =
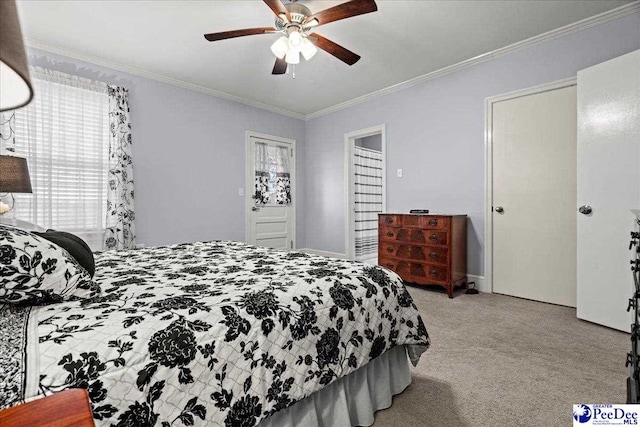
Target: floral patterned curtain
{"points": [[272, 175], [120, 231]]}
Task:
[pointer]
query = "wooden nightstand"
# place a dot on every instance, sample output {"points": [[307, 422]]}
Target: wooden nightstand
{"points": [[68, 408]]}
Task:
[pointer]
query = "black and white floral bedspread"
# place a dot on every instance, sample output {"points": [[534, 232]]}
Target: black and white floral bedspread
{"points": [[216, 333]]}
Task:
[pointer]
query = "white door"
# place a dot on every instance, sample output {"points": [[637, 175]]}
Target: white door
{"points": [[534, 196], [608, 182], [270, 192]]}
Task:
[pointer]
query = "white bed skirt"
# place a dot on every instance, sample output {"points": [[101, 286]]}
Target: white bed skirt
{"points": [[351, 400]]}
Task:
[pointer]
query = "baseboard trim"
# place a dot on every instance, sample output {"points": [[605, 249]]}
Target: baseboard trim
{"points": [[323, 253], [481, 283]]}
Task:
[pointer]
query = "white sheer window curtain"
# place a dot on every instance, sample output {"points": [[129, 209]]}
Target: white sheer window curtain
{"points": [[272, 175], [64, 132]]}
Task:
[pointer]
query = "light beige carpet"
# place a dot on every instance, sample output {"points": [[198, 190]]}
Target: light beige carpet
{"points": [[502, 361]]}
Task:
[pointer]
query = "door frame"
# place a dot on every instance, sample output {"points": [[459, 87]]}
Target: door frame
{"points": [[349, 143], [488, 163], [249, 182]]}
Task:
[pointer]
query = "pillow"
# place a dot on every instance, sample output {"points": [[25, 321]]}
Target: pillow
{"points": [[73, 244], [35, 271]]}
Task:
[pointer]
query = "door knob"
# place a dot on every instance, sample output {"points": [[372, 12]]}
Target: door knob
{"points": [[585, 209], [499, 209], [255, 208]]}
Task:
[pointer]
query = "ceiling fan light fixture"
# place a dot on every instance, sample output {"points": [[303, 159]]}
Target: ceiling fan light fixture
{"points": [[295, 40], [292, 57], [308, 49], [281, 47]]}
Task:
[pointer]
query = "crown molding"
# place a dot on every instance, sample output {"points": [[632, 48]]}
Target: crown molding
{"points": [[610, 15], [32, 43]]}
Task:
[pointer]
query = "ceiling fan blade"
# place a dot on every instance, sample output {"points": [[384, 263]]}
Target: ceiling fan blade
{"points": [[212, 37], [278, 8], [343, 54], [344, 10], [280, 66]]}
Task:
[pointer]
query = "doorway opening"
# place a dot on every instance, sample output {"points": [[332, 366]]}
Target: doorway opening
{"points": [[365, 174]]}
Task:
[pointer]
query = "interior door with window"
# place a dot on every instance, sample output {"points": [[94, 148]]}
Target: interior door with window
{"points": [[270, 179]]}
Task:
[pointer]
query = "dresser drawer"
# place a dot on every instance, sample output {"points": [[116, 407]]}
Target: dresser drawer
{"points": [[390, 220], [413, 236], [387, 249], [412, 221], [387, 263], [389, 234], [413, 252], [430, 254], [421, 273], [436, 222]]}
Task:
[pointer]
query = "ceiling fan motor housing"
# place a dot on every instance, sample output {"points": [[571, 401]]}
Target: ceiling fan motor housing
{"points": [[298, 13]]}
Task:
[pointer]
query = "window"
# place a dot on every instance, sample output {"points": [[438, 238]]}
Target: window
{"points": [[64, 134], [272, 180]]}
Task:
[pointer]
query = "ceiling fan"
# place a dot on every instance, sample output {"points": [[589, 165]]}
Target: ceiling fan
{"points": [[295, 22]]}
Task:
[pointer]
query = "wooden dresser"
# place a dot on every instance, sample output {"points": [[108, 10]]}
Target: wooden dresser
{"points": [[424, 249]]}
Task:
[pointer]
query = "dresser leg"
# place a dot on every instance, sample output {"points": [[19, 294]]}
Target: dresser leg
{"points": [[450, 291]]}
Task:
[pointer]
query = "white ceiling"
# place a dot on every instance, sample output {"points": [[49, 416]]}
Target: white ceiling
{"points": [[403, 40]]}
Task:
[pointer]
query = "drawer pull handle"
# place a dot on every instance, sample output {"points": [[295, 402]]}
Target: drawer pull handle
{"points": [[433, 255], [433, 238], [390, 233], [389, 249], [433, 222], [389, 220], [433, 272]]}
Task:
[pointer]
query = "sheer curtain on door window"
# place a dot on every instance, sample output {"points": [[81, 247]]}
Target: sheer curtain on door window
{"points": [[64, 134], [272, 175]]}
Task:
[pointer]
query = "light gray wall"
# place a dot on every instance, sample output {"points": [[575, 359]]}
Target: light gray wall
{"points": [[435, 133], [373, 142], [188, 151]]}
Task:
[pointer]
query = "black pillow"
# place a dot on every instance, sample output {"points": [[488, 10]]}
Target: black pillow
{"points": [[73, 244]]}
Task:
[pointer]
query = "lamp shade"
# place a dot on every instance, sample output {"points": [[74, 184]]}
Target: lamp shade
{"points": [[14, 175], [15, 87]]}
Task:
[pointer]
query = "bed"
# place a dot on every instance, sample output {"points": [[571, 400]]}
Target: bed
{"points": [[219, 333]]}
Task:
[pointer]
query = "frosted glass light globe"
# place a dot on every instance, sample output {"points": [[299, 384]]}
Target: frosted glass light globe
{"points": [[295, 40], [280, 47]]}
